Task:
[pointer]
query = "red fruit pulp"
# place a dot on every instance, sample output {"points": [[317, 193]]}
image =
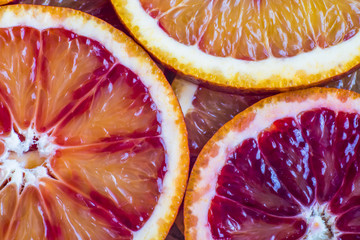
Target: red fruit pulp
{"points": [[300, 176]]}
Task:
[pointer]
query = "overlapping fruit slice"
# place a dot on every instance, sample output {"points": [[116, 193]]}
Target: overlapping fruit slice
{"points": [[93, 144], [206, 110], [285, 168], [245, 44]]}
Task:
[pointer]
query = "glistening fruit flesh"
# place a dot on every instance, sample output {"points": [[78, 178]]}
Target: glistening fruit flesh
{"points": [[286, 168], [255, 30], [84, 137]]}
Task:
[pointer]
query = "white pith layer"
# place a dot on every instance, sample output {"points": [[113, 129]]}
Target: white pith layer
{"points": [[255, 72], [185, 92], [317, 227], [264, 118], [143, 67]]}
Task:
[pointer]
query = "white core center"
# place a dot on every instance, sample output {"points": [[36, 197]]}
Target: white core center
{"points": [[320, 223], [20, 164]]}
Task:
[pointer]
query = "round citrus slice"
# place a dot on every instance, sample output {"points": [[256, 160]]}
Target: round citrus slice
{"points": [[257, 45], [92, 140], [285, 168]]}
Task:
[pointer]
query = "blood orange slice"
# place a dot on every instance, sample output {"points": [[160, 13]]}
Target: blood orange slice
{"points": [[285, 168], [258, 45], [92, 140]]}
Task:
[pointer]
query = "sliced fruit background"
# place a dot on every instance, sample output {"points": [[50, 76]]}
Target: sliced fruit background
{"points": [[203, 117]]}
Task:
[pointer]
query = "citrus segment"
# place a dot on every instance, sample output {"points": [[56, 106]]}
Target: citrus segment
{"points": [[81, 217], [256, 185], [71, 66], [332, 152], [131, 191], [121, 96], [158, 7], [349, 221], [8, 201], [349, 237], [319, 129], [286, 150], [30, 220], [222, 38], [303, 142], [244, 223], [224, 43], [347, 196], [193, 15], [333, 23], [5, 120], [19, 60]]}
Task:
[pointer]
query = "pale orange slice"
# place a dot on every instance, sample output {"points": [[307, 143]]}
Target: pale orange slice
{"points": [[93, 144], [257, 45], [285, 168]]}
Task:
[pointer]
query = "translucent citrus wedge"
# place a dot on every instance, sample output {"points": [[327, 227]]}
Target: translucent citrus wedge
{"points": [[93, 144], [206, 110], [285, 168], [257, 45]]}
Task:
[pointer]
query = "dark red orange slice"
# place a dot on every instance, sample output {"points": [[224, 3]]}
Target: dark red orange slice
{"points": [[285, 168]]}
